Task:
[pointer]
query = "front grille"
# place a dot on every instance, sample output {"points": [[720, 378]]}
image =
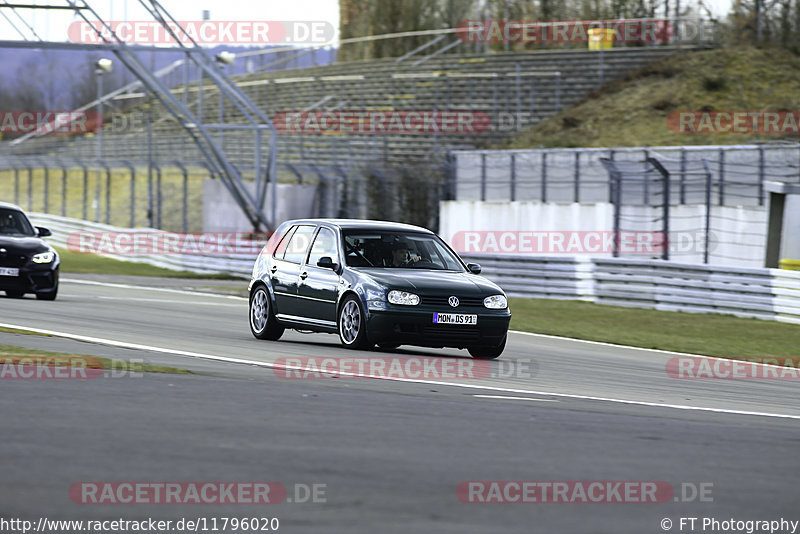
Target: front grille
{"points": [[452, 333], [443, 301], [13, 260]]}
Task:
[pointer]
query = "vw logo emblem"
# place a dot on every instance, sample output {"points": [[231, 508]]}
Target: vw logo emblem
{"points": [[453, 301]]}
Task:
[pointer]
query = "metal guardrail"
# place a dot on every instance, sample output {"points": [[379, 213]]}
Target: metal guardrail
{"points": [[772, 294], [240, 265]]}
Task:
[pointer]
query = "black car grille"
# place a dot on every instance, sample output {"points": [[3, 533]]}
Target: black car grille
{"points": [[452, 333], [9, 259], [444, 301]]}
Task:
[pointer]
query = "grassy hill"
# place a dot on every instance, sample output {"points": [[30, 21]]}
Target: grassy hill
{"points": [[633, 111]]}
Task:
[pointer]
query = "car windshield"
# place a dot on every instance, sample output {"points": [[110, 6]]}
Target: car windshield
{"points": [[399, 250], [14, 222]]}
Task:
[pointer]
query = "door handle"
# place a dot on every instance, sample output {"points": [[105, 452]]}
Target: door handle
{"points": [[303, 275]]}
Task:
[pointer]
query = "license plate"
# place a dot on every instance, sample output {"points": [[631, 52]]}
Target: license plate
{"points": [[454, 318], [7, 271]]}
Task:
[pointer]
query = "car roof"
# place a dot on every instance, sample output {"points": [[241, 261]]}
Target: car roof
{"points": [[362, 224], [8, 205]]}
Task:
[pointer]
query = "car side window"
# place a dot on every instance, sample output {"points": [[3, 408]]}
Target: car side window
{"points": [[324, 245], [280, 248], [298, 244]]}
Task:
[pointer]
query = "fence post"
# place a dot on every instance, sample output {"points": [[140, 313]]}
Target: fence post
{"points": [[185, 216], [646, 182], [46, 186], [63, 187], [16, 185], [483, 176], [450, 173], [616, 180], [761, 176], [611, 154], [683, 175], [721, 176], [665, 177], [513, 176], [158, 197], [544, 177], [30, 188], [185, 185], [108, 195], [85, 191], [97, 190], [577, 176], [708, 211]]}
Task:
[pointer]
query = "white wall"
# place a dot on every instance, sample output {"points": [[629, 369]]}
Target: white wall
{"points": [[790, 245], [737, 237], [222, 214]]}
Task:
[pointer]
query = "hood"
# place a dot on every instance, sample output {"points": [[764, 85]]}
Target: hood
{"points": [[432, 282], [23, 245]]}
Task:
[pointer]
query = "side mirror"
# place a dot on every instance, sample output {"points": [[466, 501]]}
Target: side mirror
{"points": [[474, 268], [326, 263], [43, 232]]}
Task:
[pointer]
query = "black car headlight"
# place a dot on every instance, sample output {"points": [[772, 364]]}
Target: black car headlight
{"points": [[44, 257], [403, 297], [496, 302]]}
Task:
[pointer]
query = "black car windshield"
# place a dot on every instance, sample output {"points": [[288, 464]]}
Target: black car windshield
{"points": [[15, 223], [398, 250]]}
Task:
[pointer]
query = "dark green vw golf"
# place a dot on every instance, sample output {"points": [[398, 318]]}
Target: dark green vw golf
{"points": [[375, 283]]}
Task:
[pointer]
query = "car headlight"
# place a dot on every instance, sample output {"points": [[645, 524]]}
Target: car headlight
{"points": [[44, 257], [496, 302], [403, 297], [376, 300]]}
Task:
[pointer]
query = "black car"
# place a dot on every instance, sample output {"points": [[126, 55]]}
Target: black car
{"points": [[374, 283], [27, 263]]}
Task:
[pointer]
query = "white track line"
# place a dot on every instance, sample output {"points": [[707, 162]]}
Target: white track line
{"points": [[518, 332], [137, 346], [508, 397], [150, 288], [166, 301]]}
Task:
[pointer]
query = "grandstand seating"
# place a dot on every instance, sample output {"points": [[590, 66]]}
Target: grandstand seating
{"points": [[499, 83]]}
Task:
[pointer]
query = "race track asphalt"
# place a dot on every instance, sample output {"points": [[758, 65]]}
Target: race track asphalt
{"points": [[389, 453]]}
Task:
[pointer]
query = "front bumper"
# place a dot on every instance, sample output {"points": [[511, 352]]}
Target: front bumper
{"points": [[416, 327], [33, 278]]}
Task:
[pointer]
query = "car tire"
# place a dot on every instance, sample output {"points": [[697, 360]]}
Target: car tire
{"points": [[488, 353], [352, 324], [263, 323], [48, 295], [15, 294]]}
